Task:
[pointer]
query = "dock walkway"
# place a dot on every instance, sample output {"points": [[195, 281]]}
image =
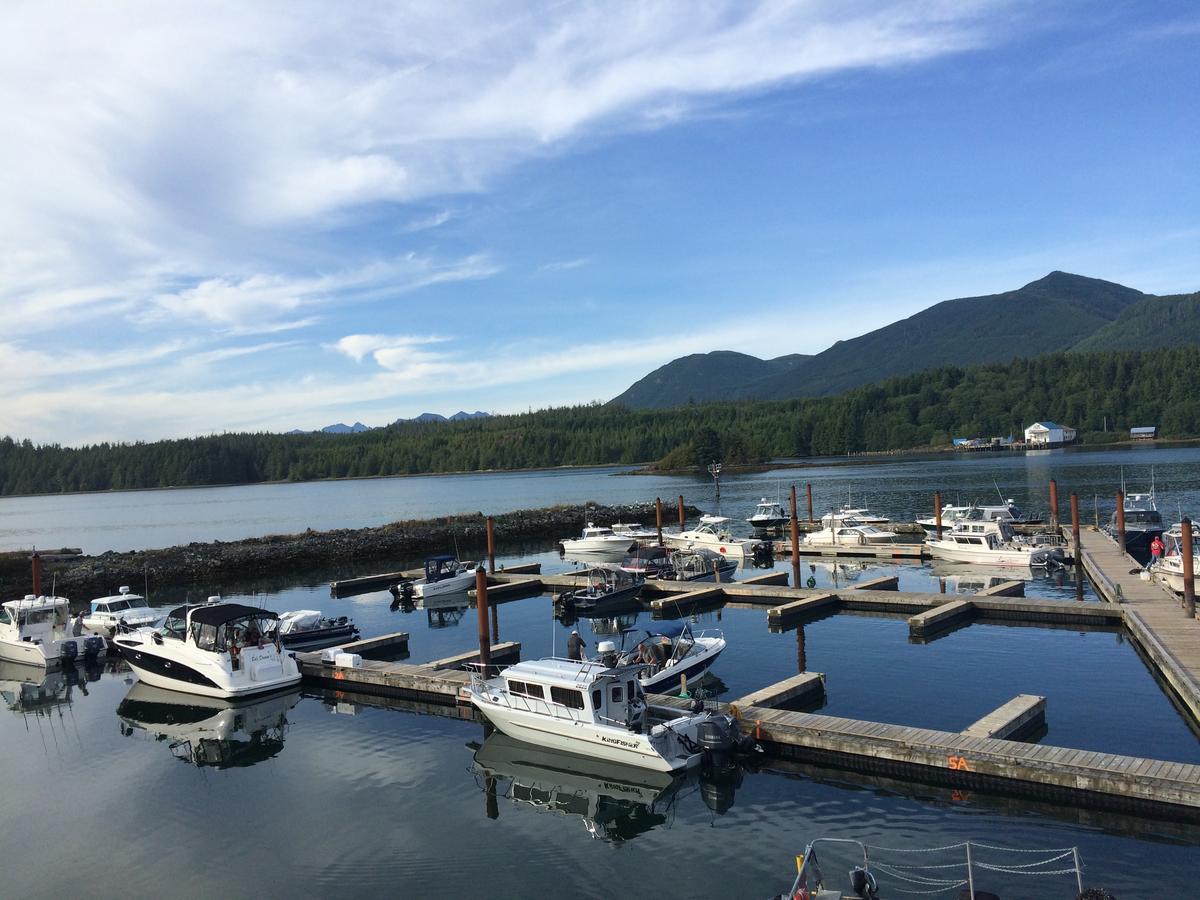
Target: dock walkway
{"points": [[1153, 615]]}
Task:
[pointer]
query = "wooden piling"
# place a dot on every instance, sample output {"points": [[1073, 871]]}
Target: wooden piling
{"points": [[808, 491], [1075, 527], [491, 542], [658, 518], [37, 574], [481, 605], [795, 531], [1121, 520], [937, 512], [682, 517], [1189, 589], [1053, 503]]}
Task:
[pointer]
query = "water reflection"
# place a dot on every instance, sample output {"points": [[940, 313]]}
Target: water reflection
{"points": [[614, 802], [37, 691], [208, 731]]}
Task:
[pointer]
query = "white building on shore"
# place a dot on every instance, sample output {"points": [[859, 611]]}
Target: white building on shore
{"points": [[1049, 433]]}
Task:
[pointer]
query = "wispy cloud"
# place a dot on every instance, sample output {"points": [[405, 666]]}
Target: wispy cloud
{"points": [[565, 265]]}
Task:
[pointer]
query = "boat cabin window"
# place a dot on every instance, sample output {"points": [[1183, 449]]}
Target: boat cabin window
{"points": [[175, 627], [527, 689], [245, 632], [5, 618], [204, 636], [617, 694], [567, 697], [597, 698]]}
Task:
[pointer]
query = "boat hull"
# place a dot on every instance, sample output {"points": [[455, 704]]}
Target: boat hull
{"points": [[207, 680], [732, 548], [319, 637], [455, 584], [982, 556], [669, 677], [29, 653]]}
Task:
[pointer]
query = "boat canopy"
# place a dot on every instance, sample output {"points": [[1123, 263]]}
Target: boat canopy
{"points": [[220, 613], [668, 629], [31, 603]]}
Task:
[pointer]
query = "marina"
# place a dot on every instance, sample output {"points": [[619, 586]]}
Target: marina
{"points": [[942, 691]]}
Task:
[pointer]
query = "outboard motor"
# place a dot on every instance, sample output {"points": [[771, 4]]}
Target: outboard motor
{"points": [[764, 554], [68, 652], [718, 743], [92, 648], [608, 653]]}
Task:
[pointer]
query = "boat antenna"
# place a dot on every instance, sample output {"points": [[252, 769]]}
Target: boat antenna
{"points": [[998, 491], [146, 579]]}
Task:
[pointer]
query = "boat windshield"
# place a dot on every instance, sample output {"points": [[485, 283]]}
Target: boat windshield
{"points": [[243, 632]]}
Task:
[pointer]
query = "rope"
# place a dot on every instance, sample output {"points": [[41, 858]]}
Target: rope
{"points": [[921, 849]]}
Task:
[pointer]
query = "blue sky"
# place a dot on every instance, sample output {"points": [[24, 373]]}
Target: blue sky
{"points": [[219, 217]]}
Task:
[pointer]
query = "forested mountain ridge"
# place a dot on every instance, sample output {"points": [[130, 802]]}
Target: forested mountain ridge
{"points": [[1079, 389], [1170, 321], [1049, 315], [703, 378]]}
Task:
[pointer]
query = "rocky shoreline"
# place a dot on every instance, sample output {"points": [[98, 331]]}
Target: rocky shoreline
{"points": [[399, 542]]}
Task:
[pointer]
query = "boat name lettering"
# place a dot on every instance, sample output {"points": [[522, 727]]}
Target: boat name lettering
{"points": [[618, 742]]}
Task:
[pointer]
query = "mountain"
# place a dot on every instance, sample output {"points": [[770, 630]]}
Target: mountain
{"points": [[339, 428], [461, 416], [1151, 323], [1051, 314], [704, 377]]}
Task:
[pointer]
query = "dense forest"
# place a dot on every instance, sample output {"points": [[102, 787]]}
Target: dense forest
{"points": [[926, 409]]}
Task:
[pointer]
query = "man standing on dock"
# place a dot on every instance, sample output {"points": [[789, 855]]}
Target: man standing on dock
{"points": [[575, 645], [1156, 551]]}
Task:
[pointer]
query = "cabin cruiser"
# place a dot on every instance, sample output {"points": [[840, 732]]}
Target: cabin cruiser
{"points": [[301, 629], [615, 802], [847, 532], [699, 564], [713, 534], [860, 514], [607, 588], [649, 562], [1143, 523], [599, 711], [635, 530], [215, 650], [443, 575], [669, 653], [208, 731], [38, 631], [994, 544], [598, 539], [122, 610], [1008, 512], [768, 515]]}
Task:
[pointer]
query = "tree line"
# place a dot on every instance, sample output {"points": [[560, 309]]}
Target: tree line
{"points": [[1085, 391]]}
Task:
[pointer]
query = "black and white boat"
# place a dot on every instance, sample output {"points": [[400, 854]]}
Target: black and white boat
{"points": [[444, 574], [768, 515], [1143, 523], [669, 651], [649, 561], [304, 629], [699, 564], [215, 650], [607, 590]]}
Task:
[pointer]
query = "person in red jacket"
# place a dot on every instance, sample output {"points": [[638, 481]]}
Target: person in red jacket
{"points": [[1156, 551]]}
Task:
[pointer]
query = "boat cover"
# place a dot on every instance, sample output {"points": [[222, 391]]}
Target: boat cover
{"points": [[220, 613]]}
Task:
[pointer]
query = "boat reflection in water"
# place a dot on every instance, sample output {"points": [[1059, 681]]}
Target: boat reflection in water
{"points": [[615, 802], [209, 731], [38, 691]]}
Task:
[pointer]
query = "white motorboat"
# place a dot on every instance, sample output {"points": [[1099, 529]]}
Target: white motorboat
{"points": [[700, 564], [38, 631], [598, 539], [669, 652], [122, 610], [635, 530], [208, 731], [444, 574], [302, 629], [215, 650], [859, 513], [713, 534], [606, 589], [994, 544], [848, 532], [1169, 569], [769, 514], [1007, 512], [597, 711]]}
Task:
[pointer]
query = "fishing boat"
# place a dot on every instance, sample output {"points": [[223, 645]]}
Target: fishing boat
{"points": [[859, 513], [615, 802], [38, 631], [669, 652], [206, 731], [1169, 569], [444, 574], [994, 544], [768, 515], [634, 530], [597, 711], [713, 534], [215, 650], [1006, 512], [598, 539], [970, 868], [304, 629], [122, 610], [606, 589], [1143, 523], [848, 531], [699, 564]]}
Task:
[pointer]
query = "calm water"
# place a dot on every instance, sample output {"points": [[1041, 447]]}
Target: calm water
{"points": [[315, 796], [901, 489]]}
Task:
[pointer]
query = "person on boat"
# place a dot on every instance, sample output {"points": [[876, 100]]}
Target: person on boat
{"points": [[77, 626], [575, 647], [1156, 551]]}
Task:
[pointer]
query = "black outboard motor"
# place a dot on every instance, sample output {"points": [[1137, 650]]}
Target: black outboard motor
{"points": [[92, 648], [764, 554], [68, 652], [718, 743]]}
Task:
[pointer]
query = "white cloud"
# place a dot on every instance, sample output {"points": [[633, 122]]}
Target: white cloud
{"points": [[357, 346], [565, 265]]}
